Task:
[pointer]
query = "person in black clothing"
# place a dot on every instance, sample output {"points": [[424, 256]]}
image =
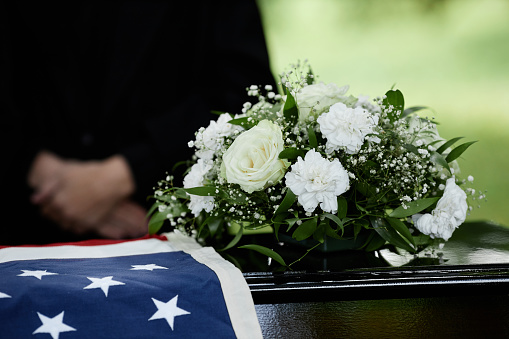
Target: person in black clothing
{"points": [[99, 100]]}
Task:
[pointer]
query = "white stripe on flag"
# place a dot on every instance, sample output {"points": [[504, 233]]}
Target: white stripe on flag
{"points": [[237, 295], [144, 246]]}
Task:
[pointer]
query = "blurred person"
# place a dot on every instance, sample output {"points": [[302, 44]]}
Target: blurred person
{"points": [[100, 99]]}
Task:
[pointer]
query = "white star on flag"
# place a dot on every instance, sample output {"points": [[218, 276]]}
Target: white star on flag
{"points": [[36, 274], [103, 283], [168, 311], [3, 295], [148, 267], [54, 326]]}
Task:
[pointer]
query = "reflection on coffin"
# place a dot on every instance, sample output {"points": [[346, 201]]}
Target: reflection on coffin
{"points": [[353, 294]]}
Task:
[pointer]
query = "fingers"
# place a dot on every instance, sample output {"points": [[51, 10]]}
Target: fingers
{"points": [[45, 166], [45, 192], [128, 220]]}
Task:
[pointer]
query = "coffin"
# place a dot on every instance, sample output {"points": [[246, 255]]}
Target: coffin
{"points": [[351, 294]]}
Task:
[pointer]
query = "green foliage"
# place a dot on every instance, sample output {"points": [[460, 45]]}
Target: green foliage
{"points": [[265, 251], [287, 202], [305, 230], [156, 222], [458, 151], [290, 110], [413, 207], [245, 122], [394, 98], [202, 191], [447, 144], [291, 153], [389, 234]]}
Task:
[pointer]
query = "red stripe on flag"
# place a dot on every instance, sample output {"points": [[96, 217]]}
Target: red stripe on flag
{"points": [[94, 242]]}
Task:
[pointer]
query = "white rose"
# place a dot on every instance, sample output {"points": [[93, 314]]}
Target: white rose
{"points": [[252, 160], [196, 178], [316, 99], [450, 213], [347, 128], [315, 180]]}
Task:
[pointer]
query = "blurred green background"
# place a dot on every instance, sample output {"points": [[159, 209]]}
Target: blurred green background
{"points": [[449, 55]]}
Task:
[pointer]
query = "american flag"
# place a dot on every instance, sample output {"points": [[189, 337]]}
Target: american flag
{"points": [[164, 287]]}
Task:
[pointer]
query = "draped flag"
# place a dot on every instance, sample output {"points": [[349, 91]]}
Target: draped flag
{"points": [[165, 287]]}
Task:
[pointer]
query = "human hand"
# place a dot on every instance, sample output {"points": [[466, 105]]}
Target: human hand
{"points": [[79, 194], [44, 175], [127, 220]]}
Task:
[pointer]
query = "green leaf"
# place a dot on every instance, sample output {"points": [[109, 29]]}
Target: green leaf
{"points": [[291, 153], [156, 222], [448, 144], [362, 222], [411, 148], [334, 218], [413, 207], [331, 232], [319, 234], [290, 111], [291, 222], [202, 191], [287, 202], [342, 207], [394, 98], [455, 153], [310, 79], [245, 122], [305, 230], [401, 228], [439, 159], [277, 221], [234, 241], [374, 242], [390, 235], [365, 189], [180, 193], [356, 230], [313, 142], [213, 223], [360, 208], [152, 209], [283, 87], [411, 110], [237, 198], [265, 251]]}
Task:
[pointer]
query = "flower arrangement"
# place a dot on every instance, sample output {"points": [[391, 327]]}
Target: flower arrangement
{"points": [[314, 163]]}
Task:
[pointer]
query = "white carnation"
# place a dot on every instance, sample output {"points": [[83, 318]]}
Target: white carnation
{"points": [[450, 213], [196, 178], [347, 128], [209, 140], [315, 180]]}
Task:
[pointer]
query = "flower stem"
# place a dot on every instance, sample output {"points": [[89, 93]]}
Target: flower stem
{"points": [[307, 251]]}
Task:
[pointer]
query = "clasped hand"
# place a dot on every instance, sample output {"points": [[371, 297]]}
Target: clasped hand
{"points": [[87, 196]]}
